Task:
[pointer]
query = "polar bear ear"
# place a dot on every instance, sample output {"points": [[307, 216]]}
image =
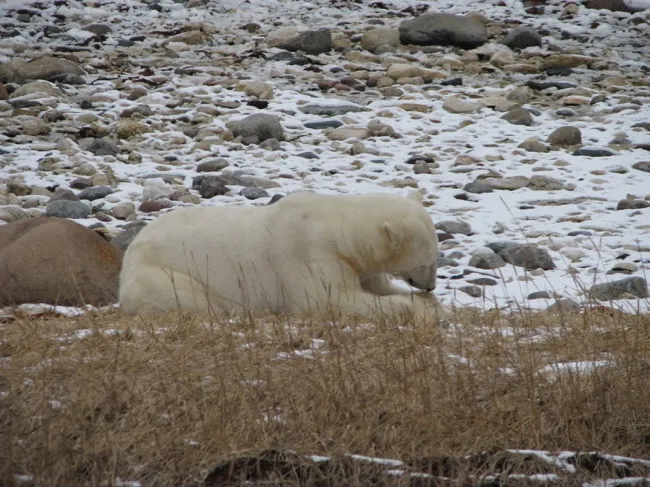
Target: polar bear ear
{"points": [[415, 196], [394, 237]]}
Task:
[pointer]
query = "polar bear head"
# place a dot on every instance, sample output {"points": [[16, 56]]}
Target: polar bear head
{"points": [[414, 243]]}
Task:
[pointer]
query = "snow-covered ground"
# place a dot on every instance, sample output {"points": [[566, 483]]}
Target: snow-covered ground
{"points": [[184, 113]]}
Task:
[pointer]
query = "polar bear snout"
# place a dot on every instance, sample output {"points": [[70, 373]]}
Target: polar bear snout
{"points": [[422, 277]]}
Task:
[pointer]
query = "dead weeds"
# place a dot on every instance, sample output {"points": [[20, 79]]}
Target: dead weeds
{"points": [[94, 399]]}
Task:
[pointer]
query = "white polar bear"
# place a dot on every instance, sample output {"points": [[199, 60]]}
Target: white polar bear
{"points": [[306, 253]]}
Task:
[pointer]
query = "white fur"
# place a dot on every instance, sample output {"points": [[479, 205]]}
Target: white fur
{"points": [[306, 253]]}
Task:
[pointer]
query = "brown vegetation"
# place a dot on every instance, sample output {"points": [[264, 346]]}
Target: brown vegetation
{"points": [[89, 400]]}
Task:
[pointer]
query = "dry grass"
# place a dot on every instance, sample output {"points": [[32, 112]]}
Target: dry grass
{"points": [[89, 400]]}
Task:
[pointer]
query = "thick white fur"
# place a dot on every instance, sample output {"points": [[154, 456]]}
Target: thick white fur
{"points": [[306, 253]]}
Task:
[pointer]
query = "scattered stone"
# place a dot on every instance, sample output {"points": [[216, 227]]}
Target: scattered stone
{"points": [[545, 183], [509, 184], [81, 183], [642, 166], [521, 94], [213, 165], [610, 291], [539, 295], [211, 186], [155, 189], [454, 227], [349, 132], [95, 193], [152, 206], [483, 281], [67, 209], [122, 211], [453, 104], [124, 238], [276, 198], [383, 39], [329, 110], [99, 147], [487, 260], [254, 193], [519, 116], [534, 144], [478, 187], [12, 213], [594, 152], [46, 67], [61, 193], [544, 85], [623, 268], [565, 136], [632, 204], [257, 128], [311, 42], [563, 306], [528, 256], [323, 124], [259, 89], [522, 37], [441, 29]]}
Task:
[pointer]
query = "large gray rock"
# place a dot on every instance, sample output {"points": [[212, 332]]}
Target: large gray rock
{"points": [[381, 39], [311, 41], [487, 261], [634, 286], [47, 67], [565, 136], [257, 128], [441, 29], [522, 37], [95, 193], [454, 227], [528, 256], [67, 209], [124, 239], [519, 116]]}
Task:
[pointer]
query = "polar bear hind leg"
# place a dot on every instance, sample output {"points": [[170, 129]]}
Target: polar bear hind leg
{"points": [[151, 288]]}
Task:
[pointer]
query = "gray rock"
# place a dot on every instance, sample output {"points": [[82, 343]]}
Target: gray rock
{"points": [[213, 165], [122, 211], [257, 128], [211, 186], [276, 198], [95, 193], [270, 144], [47, 67], [642, 166], [522, 37], [487, 261], [441, 29], [124, 239], [483, 281], [473, 291], [511, 183], [500, 246], [594, 152], [383, 37], [545, 183], [81, 183], [565, 136], [254, 193], [329, 110], [539, 295], [311, 42], [63, 194], [518, 116], [454, 227], [99, 147], [11, 213], [478, 187], [632, 204], [67, 209], [446, 262], [635, 286], [323, 124], [533, 144], [98, 29], [528, 256]]}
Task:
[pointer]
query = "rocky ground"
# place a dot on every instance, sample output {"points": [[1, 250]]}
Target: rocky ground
{"points": [[527, 131]]}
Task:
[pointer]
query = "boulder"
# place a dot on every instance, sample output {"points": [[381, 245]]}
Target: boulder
{"points": [[57, 261]]}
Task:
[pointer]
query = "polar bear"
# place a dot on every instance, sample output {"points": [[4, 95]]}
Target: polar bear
{"points": [[306, 253]]}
